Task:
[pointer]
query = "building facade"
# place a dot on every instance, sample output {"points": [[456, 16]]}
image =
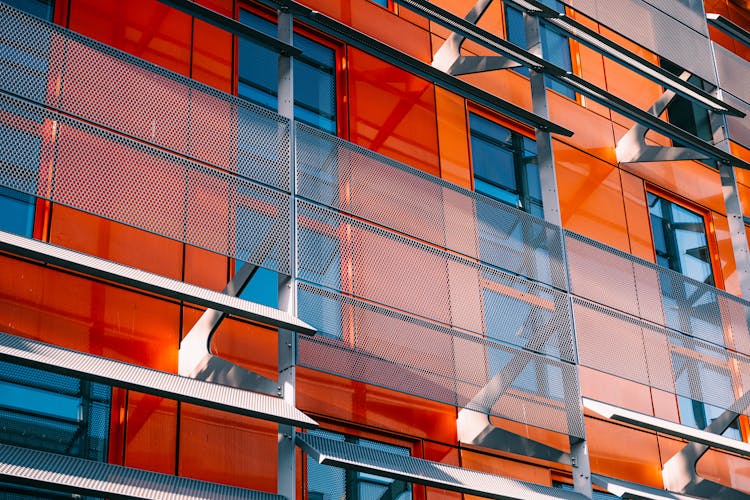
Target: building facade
{"points": [[374, 249]]}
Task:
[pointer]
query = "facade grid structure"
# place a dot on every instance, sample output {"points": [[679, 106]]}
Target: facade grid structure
{"points": [[366, 249]]}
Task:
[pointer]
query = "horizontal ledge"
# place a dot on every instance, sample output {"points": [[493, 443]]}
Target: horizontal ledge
{"points": [[626, 489], [384, 51], [77, 475], [642, 66], [667, 427], [235, 27], [64, 361], [150, 282], [734, 30], [416, 470]]}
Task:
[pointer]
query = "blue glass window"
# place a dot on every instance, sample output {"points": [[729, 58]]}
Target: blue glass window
{"points": [[43, 9], [52, 413], [16, 212], [504, 164], [699, 415], [555, 46], [331, 483], [314, 75]]}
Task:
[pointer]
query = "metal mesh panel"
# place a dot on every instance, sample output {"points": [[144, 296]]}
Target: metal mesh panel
{"points": [[733, 71], [103, 85], [345, 254], [354, 180], [383, 347], [629, 348], [111, 176], [656, 30], [612, 278], [739, 128], [655, 294]]}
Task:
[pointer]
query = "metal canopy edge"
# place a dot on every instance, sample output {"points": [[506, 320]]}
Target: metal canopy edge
{"points": [[231, 25], [150, 282], [730, 28], [57, 359], [416, 470], [667, 427], [77, 475], [626, 489], [420, 68]]}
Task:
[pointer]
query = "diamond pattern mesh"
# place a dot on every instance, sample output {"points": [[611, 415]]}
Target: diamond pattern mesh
{"points": [[92, 81], [375, 344], [351, 179]]}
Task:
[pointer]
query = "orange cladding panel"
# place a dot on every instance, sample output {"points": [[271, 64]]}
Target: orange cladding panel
{"points": [[213, 51], [636, 213], [614, 390], [453, 138], [504, 467], [623, 452], [79, 313], [206, 269], [226, 448], [592, 131], [392, 112], [117, 242], [591, 198], [145, 28], [151, 433], [349, 400]]}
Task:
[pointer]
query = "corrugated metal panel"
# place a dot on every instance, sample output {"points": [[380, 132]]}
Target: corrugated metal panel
{"points": [[76, 475], [87, 366], [417, 470]]}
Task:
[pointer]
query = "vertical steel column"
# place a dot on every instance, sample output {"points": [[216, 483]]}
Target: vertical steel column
{"points": [[287, 340], [579, 454]]}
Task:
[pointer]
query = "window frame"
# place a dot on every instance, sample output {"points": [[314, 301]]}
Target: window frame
{"points": [[515, 128], [339, 48]]}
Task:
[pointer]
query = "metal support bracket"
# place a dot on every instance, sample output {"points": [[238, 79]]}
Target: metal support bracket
{"points": [[474, 428], [632, 147], [680, 472]]}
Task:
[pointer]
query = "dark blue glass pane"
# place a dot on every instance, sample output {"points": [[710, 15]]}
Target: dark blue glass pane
{"points": [[263, 287], [516, 32], [40, 8], [16, 212]]}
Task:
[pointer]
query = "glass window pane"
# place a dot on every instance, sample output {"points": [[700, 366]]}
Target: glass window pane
{"points": [[314, 75], [43, 9], [17, 211]]}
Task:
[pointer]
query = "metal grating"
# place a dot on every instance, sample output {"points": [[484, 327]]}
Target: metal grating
{"points": [[656, 30], [343, 176], [77, 475], [733, 71], [354, 257], [370, 343], [52, 66], [626, 489], [96, 171], [351, 456], [87, 366], [739, 128], [658, 295], [658, 357], [150, 282]]}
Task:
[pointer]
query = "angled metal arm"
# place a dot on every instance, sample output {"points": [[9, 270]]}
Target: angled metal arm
{"points": [[76, 475], [735, 31], [626, 489]]}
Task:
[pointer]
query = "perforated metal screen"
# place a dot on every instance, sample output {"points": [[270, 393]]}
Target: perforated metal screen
{"points": [[677, 32], [92, 81], [351, 179], [363, 341], [62, 159]]}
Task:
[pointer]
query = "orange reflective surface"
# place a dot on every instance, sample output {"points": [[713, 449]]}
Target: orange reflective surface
{"points": [[392, 112], [586, 186], [151, 433], [637, 216], [99, 318], [147, 29], [453, 137]]}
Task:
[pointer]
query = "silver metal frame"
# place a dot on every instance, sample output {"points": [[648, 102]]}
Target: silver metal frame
{"points": [[77, 475]]}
